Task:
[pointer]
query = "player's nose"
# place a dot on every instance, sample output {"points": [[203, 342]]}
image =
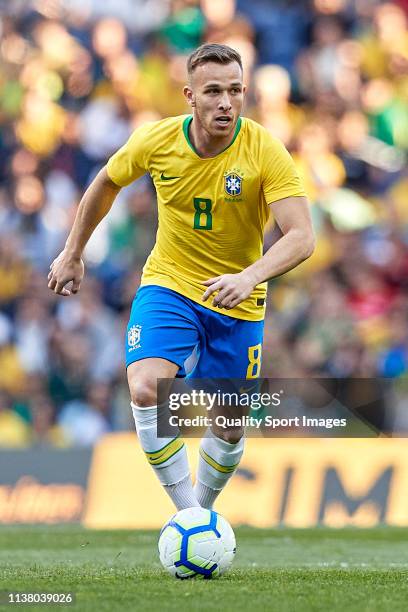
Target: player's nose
{"points": [[224, 102]]}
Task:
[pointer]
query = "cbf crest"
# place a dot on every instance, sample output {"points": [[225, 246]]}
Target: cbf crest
{"points": [[134, 337], [233, 182]]}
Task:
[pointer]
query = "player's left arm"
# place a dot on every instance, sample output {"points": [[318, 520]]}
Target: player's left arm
{"points": [[297, 244]]}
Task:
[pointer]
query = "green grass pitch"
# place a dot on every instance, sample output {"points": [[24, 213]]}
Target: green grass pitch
{"points": [[283, 570]]}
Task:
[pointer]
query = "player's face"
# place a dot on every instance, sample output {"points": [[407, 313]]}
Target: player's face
{"points": [[216, 94]]}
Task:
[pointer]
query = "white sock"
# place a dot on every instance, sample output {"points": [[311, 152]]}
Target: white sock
{"points": [[167, 456], [217, 463]]}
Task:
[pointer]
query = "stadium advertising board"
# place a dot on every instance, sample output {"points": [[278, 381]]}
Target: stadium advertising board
{"points": [[43, 486], [292, 482]]}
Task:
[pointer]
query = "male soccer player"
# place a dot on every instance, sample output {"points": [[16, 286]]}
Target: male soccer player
{"points": [[217, 175]]}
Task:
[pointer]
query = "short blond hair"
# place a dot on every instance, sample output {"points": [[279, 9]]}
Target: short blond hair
{"points": [[212, 52]]}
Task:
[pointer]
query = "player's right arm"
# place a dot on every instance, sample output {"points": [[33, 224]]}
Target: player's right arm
{"points": [[125, 166], [94, 205]]}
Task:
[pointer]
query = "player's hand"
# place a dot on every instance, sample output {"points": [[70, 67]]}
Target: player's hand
{"points": [[232, 289], [64, 269]]}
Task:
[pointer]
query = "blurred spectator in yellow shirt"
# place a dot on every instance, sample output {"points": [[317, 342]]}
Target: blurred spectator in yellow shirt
{"points": [[14, 431]]}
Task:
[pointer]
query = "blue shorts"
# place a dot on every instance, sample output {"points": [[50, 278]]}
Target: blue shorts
{"points": [[166, 324]]}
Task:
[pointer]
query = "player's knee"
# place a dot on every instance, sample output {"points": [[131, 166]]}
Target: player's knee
{"points": [[232, 436], [143, 392]]}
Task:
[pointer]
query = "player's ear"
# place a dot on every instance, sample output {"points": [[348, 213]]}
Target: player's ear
{"points": [[189, 96]]}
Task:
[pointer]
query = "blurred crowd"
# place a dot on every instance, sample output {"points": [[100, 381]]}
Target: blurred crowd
{"points": [[328, 77]]}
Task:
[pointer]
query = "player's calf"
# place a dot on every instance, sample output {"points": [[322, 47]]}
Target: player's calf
{"points": [[167, 456], [218, 460]]}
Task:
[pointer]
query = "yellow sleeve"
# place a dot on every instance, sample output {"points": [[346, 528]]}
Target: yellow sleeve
{"points": [[130, 162], [279, 176]]}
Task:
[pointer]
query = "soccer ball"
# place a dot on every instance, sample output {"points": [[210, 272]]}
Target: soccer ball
{"points": [[197, 542]]}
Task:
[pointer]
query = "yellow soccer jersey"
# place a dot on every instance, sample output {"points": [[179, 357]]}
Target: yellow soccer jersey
{"points": [[212, 211]]}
